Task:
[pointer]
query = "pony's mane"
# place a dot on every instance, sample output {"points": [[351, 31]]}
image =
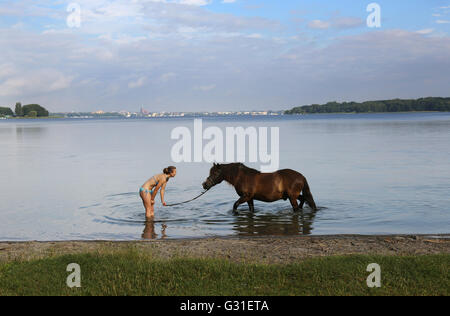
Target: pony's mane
{"points": [[232, 171], [248, 169]]}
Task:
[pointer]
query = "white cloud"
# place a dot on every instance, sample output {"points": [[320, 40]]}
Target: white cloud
{"points": [[442, 21], [196, 2], [7, 70], [255, 35], [137, 83], [181, 53], [205, 87], [34, 82], [347, 22], [425, 31], [166, 77], [318, 24], [337, 22], [250, 73]]}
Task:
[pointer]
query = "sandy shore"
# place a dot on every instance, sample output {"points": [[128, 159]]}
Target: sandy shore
{"points": [[255, 249]]}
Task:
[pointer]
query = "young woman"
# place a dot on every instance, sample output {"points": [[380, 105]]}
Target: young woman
{"points": [[150, 188]]}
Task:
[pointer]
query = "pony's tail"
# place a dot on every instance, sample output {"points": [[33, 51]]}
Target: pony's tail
{"points": [[308, 196]]}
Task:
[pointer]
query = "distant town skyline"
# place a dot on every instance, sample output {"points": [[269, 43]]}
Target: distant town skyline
{"points": [[216, 55], [144, 113]]}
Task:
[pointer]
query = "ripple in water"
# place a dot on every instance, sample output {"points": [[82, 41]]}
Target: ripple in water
{"points": [[208, 218]]}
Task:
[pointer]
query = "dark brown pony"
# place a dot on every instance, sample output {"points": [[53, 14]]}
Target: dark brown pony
{"points": [[250, 185]]}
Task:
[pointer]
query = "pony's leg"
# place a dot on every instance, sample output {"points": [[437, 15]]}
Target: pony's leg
{"points": [[251, 206], [242, 200], [302, 200], [294, 204]]}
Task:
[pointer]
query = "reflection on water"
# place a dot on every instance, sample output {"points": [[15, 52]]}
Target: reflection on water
{"points": [[244, 223], [79, 179], [267, 219], [150, 233], [292, 223], [30, 130]]}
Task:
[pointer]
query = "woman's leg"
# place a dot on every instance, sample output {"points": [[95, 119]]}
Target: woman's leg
{"points": [[151, 213], [147, 201]]}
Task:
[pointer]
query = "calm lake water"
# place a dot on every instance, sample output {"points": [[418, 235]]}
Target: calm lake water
{"points": [[79, 179]]}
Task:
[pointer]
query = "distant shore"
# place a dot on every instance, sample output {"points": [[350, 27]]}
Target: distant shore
{"points": [[34, 118], [345, 113], [210, 115], [379, 106]]}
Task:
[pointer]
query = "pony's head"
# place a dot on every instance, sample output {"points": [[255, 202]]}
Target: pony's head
{"points": [[215, 177]]}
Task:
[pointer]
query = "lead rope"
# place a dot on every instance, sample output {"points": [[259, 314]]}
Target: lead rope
{"points": [[189, 200]]}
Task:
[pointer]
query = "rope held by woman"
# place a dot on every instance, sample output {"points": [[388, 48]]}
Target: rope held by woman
{"points": [[189, 200]]}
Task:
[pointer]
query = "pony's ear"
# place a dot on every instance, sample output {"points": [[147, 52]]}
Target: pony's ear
{"points": [[214, 164]]}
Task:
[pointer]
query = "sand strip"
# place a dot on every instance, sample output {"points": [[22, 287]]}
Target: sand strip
{"points": [[241, 249]]}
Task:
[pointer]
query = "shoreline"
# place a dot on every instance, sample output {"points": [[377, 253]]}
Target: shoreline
{"points": [[398, 112], [270, 249], [216, 116], [428, 235]]}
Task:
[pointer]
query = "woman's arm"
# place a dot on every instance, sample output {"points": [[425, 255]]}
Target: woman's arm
{"points": [[155, 190], [163, 190]]}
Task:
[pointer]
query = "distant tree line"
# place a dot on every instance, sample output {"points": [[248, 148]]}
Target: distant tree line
{"points": [[396, 105], [29, 110], [6, 112]]}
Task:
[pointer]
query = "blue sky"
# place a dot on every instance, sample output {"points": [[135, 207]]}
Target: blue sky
{"points": [[397, 14], [189, 55]]}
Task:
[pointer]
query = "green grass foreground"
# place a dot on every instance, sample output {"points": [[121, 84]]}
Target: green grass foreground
{"points": [[131, 273]]}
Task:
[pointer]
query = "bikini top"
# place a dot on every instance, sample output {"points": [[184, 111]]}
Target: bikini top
{"points": [[156, 181]]}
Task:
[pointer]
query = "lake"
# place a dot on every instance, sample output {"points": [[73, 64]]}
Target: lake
{"points": [[78, 179]]}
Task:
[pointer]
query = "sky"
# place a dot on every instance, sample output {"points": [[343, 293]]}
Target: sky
{"points": [[219, 55]]}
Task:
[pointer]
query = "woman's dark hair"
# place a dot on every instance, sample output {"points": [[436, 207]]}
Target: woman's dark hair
{"points": [[169, 170]]}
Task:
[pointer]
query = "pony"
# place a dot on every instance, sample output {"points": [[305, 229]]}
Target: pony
{"points": [[250, 185]]}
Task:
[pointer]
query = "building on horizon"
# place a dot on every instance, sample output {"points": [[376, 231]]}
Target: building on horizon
{"points": [[144, 111]]}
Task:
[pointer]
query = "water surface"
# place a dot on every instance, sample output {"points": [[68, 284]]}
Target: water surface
{"points": [[79, 179]]}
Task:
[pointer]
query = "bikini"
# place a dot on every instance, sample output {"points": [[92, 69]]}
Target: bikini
{"points": [[149, 191]]}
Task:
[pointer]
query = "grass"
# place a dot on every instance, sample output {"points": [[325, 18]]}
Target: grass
{"points": [[132, 273]]}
